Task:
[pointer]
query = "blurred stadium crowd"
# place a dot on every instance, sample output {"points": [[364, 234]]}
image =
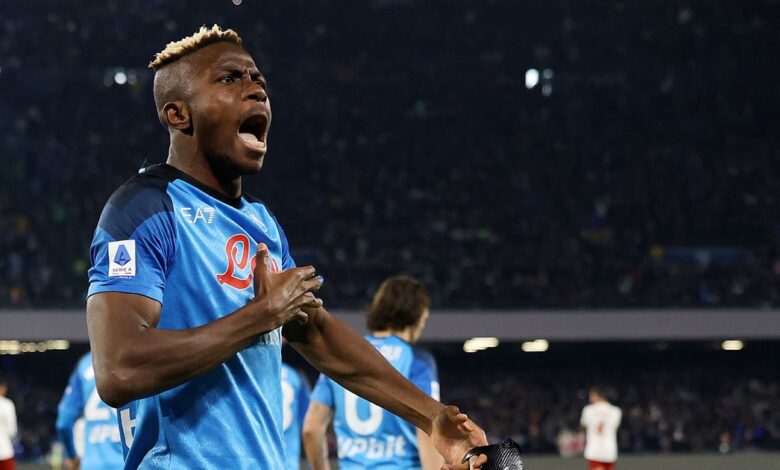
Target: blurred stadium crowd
{"points": [[637, 167], [687, 411], [665, 409]]}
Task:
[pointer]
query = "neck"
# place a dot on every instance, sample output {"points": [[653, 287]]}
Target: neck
{"points": [[185, 157], [405, 334]]}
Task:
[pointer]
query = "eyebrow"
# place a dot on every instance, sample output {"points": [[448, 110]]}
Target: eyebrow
{"points": [[229, 65]]}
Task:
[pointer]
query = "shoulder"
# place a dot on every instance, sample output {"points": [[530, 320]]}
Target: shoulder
{"points": [[148, 185], [424, 356], [85, 361], [260, 204], [587, 409], [262, 207], [252, 199], [423, 359], [140, 198]]}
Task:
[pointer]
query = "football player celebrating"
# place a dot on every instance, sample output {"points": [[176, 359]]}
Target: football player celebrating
{"points": [[192, 286]]}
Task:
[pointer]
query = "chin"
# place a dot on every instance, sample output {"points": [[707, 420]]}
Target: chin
{"points": [[247, 162], [252, 164]]}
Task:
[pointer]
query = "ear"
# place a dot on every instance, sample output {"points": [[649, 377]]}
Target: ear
{"points": [[176, 115]]}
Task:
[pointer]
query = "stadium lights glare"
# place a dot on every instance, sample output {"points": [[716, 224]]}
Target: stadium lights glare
{"points": [[120, 77], [537, 345], [531, 78], [14, 347], [479, 344], [732, 345]]}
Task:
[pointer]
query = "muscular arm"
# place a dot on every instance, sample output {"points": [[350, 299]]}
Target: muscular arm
{"points": [[315, 428], [133, 358]]}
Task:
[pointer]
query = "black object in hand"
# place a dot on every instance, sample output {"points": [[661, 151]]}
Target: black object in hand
{"points": [[504, 456]]}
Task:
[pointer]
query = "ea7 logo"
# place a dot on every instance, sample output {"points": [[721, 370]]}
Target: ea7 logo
{"points": [[203, 214], [237, 251]]}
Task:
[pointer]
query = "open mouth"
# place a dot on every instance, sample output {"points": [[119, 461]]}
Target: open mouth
{"points": [[253, 131]]}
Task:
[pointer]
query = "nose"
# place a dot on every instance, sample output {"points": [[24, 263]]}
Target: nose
{"points": [[256, 92]]}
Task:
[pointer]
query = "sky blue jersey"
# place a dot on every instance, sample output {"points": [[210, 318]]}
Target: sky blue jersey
{"points": [[101, 447], [166, 236], [295, 393], [368, 436]]}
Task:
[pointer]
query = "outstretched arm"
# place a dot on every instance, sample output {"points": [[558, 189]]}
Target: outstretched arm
{"points": [[133, 358], [341, 353]]}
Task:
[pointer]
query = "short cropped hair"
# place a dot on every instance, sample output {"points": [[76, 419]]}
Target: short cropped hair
{"points": [[398, 303], [203, 37]]}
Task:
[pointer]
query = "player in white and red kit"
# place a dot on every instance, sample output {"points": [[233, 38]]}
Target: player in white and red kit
{"points": [[600, 420]]}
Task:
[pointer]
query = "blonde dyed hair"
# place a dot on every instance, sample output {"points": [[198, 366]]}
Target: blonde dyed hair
{"points": [[203, 37]]}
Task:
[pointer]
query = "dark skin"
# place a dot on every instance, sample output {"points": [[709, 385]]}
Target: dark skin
{"points": [[134, 359]]}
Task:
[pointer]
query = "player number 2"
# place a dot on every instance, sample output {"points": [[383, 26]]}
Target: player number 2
{"points": [[363, 427]]}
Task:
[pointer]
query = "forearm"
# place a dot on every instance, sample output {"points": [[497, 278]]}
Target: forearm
{"points": [[148, 360], [345, 356], [315, 429], [65, 435], [316, 447]]}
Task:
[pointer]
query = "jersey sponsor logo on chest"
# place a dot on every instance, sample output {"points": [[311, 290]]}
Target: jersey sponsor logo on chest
{"points": [[237, 251], [193, 215]]}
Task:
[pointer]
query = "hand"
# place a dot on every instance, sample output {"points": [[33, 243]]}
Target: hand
{"points": [[454, 434], [283, 295], [73, 464]]}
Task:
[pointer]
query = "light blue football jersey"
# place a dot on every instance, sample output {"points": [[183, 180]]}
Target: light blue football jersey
{"points": [[295, 394], [368, 436], [166, 236], [102, 449]]}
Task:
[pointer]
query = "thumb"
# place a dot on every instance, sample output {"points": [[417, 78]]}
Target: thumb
{"points": [[261, 267]]}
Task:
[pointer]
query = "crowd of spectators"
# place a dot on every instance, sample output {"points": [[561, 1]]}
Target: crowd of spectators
{"points": [[405, 138], [686, 404], [692, 409]]}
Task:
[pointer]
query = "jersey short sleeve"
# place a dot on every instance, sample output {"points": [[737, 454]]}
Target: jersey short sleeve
{"points": [[135, 240], [323, 392], [617, 416], [584, 418], [424, 373]]}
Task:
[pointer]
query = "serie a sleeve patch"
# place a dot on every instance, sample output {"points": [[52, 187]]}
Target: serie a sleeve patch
{"points": [[121, 258]]}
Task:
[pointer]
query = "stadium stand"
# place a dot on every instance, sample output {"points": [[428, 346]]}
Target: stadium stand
{"points": [[638, 171]]}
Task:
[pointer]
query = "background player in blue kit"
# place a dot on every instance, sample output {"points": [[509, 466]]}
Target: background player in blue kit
{"points": [[102, 448], [295, 396], [369, 437], [192, 286]]}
